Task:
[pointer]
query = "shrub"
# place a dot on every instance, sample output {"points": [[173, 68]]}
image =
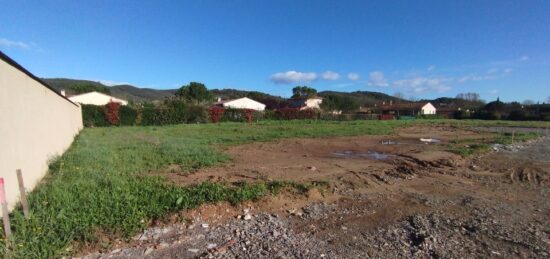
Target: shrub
{"points": [[195, 114], [248, 114], [230, 114], [128, 115], [216, 114], [93, 116], [111, 113], [288, 113], [307, 114]]}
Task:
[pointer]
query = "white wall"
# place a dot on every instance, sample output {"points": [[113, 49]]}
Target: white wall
{"points": [[428, 109], [36, 124], [313, 103], [245, 103], [96, 98]]}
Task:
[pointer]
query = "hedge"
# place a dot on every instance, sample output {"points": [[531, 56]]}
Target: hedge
{"points": [[94, 116]]}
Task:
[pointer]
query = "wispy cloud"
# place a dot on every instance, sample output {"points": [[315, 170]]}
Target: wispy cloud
{"points": [[330, 75], [524, 58], [353, 76], [14, 44], [422, 84], [343, 85], [377, 78], [493, 92], [292, 76], [431, 68]]}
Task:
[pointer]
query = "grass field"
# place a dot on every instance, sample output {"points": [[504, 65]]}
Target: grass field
{"points": [[101, 184]]}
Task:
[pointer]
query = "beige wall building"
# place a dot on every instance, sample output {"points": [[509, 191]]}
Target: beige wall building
{"points": [[36, 125], [96, 98]]}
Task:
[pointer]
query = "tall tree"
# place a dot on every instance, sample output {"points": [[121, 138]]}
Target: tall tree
{"points": [[528, 102], [333, 102], [194, 92], [303, 92], [472, 97]]}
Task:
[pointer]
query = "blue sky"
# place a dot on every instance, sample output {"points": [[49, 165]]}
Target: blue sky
{"points": [[422, 49]]}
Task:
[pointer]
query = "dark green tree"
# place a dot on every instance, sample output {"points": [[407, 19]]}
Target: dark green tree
{"points": [[195, 93], [303, 92], [333, 102]]}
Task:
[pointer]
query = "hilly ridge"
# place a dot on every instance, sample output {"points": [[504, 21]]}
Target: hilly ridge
{"points": [[140, 95]]}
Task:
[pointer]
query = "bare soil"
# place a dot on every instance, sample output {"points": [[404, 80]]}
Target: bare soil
{"points": [[388, 196]]}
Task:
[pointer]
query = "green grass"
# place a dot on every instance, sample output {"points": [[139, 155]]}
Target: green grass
{"points": [[101, 184]]}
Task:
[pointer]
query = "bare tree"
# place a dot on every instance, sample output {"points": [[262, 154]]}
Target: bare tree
{"points": [[399, 95], [472, 97], [528, 102]]}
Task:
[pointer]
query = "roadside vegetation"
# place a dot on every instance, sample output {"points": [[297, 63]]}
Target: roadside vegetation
{"points": [[103, 184]]}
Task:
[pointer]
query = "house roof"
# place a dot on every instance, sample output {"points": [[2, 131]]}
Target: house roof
{"points": [[96, 92], [14, 64], [231, 100], [403, 106]]}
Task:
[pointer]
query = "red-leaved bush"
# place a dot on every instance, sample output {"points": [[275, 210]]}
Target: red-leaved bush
{"points": [[111, 113], [307, 114], [248, 114], [288, 113], [216, 114]]}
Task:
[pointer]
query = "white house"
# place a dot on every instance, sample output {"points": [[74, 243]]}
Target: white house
{"points": [[96, 98], [241, 103], [427, 109], [309, 103], [408, 109], [36, 124]]}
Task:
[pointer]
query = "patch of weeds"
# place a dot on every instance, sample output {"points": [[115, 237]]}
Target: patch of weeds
{"points": [[466, 151], [506, 138]]}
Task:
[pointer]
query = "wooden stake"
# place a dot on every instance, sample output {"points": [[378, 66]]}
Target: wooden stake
{"points": [[23, 194], [513, 134], [5, 212]]}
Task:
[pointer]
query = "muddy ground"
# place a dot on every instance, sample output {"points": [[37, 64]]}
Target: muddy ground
{"points": [[377, 196]]}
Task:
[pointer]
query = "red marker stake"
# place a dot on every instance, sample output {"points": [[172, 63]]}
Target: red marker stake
{"points": [[5, 213]]}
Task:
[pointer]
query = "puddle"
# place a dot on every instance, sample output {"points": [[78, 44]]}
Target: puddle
{"points": [[430, 140], [369, 154]]}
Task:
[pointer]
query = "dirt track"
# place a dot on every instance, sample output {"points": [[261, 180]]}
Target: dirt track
{"points": [[409, 199]]}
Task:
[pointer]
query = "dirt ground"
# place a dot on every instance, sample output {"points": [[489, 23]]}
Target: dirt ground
{"points": [[384, 196]]}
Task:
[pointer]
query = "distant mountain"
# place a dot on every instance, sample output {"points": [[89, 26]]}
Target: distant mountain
{"points": [[136, 94], [140, 95], [365, 98], [234, 94], [126, 92]]}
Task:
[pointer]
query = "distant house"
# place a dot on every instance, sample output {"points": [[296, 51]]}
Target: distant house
{"points": [[96, 98], [408, 109], [241, 103], [306, 103]]}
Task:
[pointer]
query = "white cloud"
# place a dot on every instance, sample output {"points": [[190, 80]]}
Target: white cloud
{"points": [[492, 71], [493, 91], [423, 84], [508, 70], [431, 68], [353, 76], [292, 77], [330, 75], [377, 78], [524, 58], [13, 44]]}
